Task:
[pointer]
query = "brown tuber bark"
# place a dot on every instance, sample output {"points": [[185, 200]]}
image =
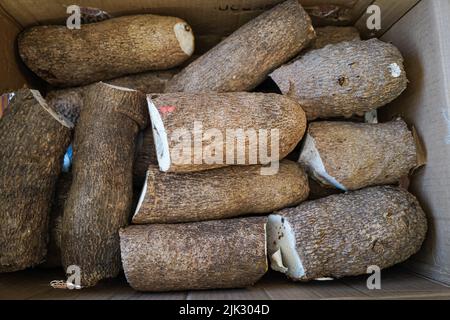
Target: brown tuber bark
{"points": [[246, 57], [198, 131], [100, 199], [53, 258], [351, 156], [333, 35], [342, 235], [201, 255], [145, 157], [70, 101], [344, 79], [219, 194], [101, 51], [33, 141]]}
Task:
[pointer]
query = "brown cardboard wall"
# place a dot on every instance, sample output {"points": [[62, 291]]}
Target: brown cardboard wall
{"points": [[391, 12], [205, 16], [423, 38], [10, 76]]}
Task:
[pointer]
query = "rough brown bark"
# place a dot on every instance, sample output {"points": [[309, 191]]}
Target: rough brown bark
{"points": [[32, 144], [333, 35], [179, 116], [202, 255], [342, 235], [246, 57], [344, 79], [220, 193], [100, 199], [352, 156], [101, 51], [70, 101], [145, 156], [53, 258]]}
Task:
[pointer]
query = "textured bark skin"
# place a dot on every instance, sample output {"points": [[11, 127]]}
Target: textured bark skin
{"points": [[223, 112], [101, 51], [220, 193], [202, 255], [32, 145], [53, 258], [145, 156], [333, 35], [100, 199], [246, 57], [344, 79], [359, 155], [342, 235], [70, 101]]}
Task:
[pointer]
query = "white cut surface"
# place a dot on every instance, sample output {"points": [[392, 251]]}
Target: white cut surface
{"points": [[142, 196], [310, 158], [282, 249], [159, 136], [395, 70], [185, 37], [118, 88], [371, 116]]}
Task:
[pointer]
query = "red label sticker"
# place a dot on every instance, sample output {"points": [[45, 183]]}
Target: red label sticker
{"points": [[166, 109]]}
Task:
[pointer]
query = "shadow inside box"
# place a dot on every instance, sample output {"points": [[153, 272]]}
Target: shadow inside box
{"points": [[396, 283]]}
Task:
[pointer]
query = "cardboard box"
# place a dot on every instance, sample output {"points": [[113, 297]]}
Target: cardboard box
{"points": [[418, 28]]}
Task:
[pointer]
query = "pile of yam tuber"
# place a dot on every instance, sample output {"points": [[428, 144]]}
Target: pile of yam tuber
{"points": [[158, 189]]}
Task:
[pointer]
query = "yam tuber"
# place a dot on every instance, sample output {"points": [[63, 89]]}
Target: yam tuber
{"points": [[33, 141], [101, 51], [219, 194], [100, 198], [344, 79], [342, 235], [201, 255], [246, 57], [350, 156], [200, 131]]}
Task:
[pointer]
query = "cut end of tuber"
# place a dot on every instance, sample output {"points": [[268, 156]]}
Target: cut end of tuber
{"points": [[395, 70], [282, 249], [57, 116], [185, 37], [159, 136], [310, 159], [117, 87], [142, 196]]}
